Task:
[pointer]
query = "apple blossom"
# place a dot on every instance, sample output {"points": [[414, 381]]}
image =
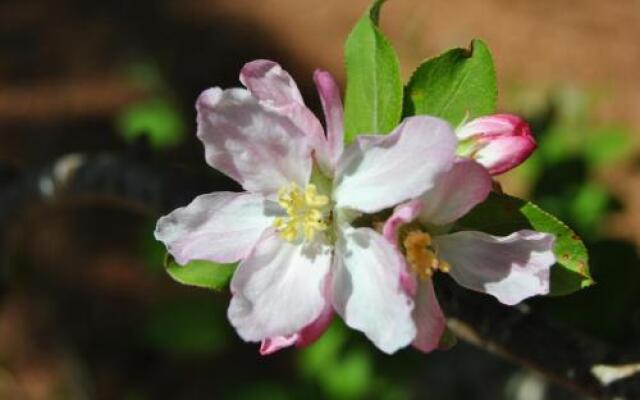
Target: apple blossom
{"points": [[510, 268], [299, 256]]}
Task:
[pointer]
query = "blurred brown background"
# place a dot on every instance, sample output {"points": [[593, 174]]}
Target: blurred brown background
{"points": [[589, 43]]}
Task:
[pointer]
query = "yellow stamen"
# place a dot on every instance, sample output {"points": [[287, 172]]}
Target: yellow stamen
{"points": [[421, 255], [304, 212]]}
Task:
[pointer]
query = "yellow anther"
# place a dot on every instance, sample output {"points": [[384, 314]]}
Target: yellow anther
{"points": [[421, 256], [304, 212], [444, 266]]}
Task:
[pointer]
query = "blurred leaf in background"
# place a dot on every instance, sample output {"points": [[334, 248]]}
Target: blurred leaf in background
{"points": [[156, 116], [342, 372], [346, 368]]}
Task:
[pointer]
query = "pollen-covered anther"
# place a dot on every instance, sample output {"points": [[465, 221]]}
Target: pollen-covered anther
{"points": [[304, 210], [422, 256]]}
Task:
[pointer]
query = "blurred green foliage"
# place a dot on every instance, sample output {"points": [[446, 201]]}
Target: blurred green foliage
{"points": [[186, 327], [572, 150], [156, 116], [342, 373], [346, 369]]}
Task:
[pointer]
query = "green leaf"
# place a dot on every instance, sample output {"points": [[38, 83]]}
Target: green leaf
{"points": [[459, 84], [501, 215], [373, 99], [200, 273]]}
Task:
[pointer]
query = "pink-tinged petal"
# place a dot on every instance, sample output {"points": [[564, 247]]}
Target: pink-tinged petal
{"points": [[491, 125], [278, 92], [267, 81], [333, 112], [430, 322], [499, 142], [313, 331], [457, 191], [402, 214], [409, 281], [367, 292], [307, 122], [502, 154], [270, 346], [378, 172], [428, 317], [278, 289], [261, 149], [310, 333], [221, 227], [510, 268]]}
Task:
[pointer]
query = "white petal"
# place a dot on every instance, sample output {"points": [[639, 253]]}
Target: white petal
{"points": [[278, 289], [377, 172], [367, 292], [261, 149], [309, 334], [278, 92], [457, 191], [268, 81], [511, 268], [221, 227]]}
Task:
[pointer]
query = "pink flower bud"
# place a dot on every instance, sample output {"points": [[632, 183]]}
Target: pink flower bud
{"points": [[499, 142]]}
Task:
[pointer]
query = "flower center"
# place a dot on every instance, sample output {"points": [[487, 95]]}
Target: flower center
{"points": [[304, 212], [422, 256]]}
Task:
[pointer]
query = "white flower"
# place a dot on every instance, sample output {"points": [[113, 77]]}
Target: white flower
{"points": [[510, 268]]}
